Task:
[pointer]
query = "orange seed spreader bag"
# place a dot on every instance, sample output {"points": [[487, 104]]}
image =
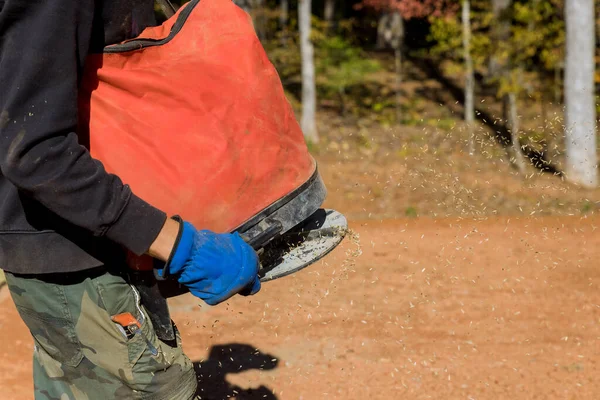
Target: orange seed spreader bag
{"points": [[192, 115]]}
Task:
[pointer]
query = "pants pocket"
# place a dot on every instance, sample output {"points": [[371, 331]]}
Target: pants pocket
{"points": [[81, 348], [44, 309], [150, 375], [118, 297]]}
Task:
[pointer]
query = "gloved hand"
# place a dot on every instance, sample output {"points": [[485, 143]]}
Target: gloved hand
{"points": [[214, 267]]}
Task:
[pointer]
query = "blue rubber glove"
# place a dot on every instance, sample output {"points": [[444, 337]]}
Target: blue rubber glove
{"points": [[214, 267]]}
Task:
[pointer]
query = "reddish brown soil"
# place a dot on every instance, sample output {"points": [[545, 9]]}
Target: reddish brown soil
{"points": [[446, 309]]}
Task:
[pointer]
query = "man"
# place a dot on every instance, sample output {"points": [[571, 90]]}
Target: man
{"points": [[66, 224]]}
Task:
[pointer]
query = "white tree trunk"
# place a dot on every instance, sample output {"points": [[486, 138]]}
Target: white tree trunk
{"points": [[309, 91], [390, 31], [390, 34], [283, 20], [469, 77], [329, 12], [284, 11], [499, 6], [500, 32], [580, 112]]}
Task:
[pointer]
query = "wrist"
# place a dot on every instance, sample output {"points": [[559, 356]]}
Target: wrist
{"points": [[182, 250], [165, 243]]}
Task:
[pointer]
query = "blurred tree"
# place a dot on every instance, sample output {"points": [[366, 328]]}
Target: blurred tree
{"points": [[522, 52], [414, 8], [505, 68], [283, 20], [260, 18], [537, 57], [390, 33], [343, 70], [329, 12], [469, 74], [340, 65], [391, 27], [309, 91], [580, 112], [499, 33]]}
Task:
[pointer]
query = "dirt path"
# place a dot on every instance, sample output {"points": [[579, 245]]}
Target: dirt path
{"points": [[501, 308]]}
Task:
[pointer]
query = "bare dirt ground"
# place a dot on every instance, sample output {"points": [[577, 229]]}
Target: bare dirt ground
{"points": [[501, 308]]}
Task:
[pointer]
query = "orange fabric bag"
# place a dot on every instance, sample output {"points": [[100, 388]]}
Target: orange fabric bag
{"points": [[192, 115]]}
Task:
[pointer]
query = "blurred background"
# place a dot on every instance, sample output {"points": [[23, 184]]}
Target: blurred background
{"points": [[442, 107]]}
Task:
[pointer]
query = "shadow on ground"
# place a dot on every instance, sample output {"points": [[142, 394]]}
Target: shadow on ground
{"points": [[232, 358]]}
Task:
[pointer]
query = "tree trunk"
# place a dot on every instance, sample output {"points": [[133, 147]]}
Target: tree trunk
{"points": [[283, 20], [499, 33], [390, 31], [398, 57], [390, 34], [469, 77], [260, 19], [500, 6], [381, 26], [580, 112], [309, 91], [557, 81], [329, 12], [513, 123]]}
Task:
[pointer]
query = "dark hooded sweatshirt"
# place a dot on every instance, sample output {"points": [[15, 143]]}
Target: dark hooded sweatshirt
{"points": [[60, 210]]}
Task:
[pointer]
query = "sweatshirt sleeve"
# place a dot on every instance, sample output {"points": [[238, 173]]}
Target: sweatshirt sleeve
{"points": [[43, 44]]}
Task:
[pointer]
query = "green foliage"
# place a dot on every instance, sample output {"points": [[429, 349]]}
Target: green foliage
{"points": [[341, 65], [538, 33], [533, 48], [587, 207], [411, 212], [286, 59], [536, 44], [446, 33]]}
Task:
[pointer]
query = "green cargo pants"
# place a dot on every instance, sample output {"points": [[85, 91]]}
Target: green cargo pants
{"points": [[81, 354]]}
